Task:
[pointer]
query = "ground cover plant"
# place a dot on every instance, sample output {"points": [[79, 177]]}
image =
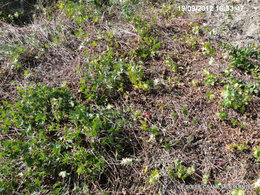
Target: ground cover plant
{"points": [[125, 97]]}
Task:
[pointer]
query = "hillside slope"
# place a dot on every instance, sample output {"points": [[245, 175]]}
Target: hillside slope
{"points": [[126, 97]]}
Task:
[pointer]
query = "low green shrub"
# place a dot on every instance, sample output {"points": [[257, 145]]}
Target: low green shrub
{"points": [[245, 59], [256, 153], [49, 138], [105, 76], [211, 78], [179, 171], [237, 95]]}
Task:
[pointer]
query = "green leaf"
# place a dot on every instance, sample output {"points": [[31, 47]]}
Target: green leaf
{"points": [[238, 192], [155, 175], [94, 43], [185, 111]]}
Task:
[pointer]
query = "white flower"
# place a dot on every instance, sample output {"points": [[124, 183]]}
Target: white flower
{"points": [[257, 183], [211, 61], [157, 82], [126, 161]]}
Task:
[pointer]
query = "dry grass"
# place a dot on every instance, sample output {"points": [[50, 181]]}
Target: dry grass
{"points": [[203, 144]]}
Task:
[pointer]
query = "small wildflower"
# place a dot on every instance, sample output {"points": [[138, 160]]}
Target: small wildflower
{"points": [[126, 161]]}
